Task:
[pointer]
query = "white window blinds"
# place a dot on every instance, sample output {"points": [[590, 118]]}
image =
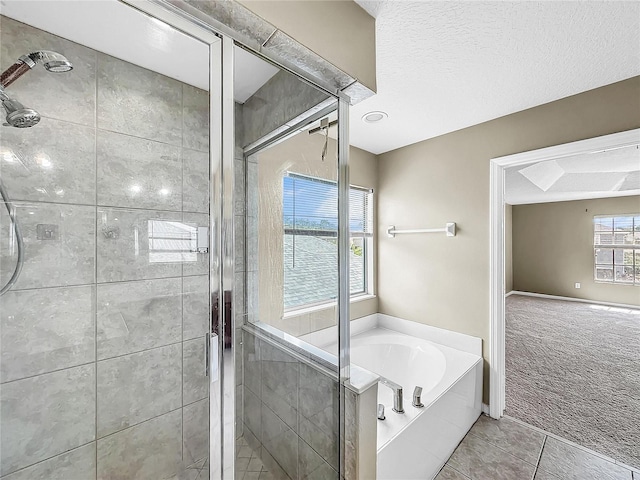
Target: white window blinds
{"points": [[310, 218], [616, 243]]}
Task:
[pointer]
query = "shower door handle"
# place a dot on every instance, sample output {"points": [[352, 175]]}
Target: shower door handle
{"points": [[207, 354], [211, 356]]}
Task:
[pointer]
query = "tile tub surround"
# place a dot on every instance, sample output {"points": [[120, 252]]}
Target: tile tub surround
{"points": [[508, 449], [102, 336]]}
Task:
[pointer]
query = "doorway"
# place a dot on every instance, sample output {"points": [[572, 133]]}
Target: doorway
{"points": [[555, 312]]}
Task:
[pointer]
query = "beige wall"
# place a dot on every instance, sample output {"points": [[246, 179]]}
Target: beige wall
{"points": [[508, 248], [341, 32], [553, 249], [443, 281], [299, 154]]}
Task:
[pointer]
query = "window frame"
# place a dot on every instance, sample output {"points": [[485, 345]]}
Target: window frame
{"points": [[634, 247], [368, 254]]}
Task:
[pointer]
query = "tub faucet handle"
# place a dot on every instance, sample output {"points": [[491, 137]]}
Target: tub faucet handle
{"points": [[417, 393], [381, 412]]}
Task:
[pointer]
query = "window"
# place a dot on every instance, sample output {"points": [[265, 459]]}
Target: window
{"points": [[310, 218], [616, 242]]}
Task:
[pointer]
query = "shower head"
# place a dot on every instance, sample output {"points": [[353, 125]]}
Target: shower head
{"points": [[23, 117], [17, 114], [51, 61]]}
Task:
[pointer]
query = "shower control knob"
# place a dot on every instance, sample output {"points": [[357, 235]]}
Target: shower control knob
{"points": [[111, 232], [46, 231]]}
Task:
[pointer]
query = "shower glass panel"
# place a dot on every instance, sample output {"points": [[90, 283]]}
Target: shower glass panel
{"points": [[103, 332], [288, 393]]}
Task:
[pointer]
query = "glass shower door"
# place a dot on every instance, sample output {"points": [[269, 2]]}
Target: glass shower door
{"points": [[290, 417], [106, 215]]}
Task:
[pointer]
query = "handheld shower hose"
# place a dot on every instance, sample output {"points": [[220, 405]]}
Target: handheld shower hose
{"points": [[18, 235]]}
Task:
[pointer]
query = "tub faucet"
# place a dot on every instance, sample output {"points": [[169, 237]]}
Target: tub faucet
{"points": [[397, 394], [381, 412]]}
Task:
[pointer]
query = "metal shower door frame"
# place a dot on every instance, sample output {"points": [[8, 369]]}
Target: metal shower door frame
{"points": [[344, 270], [220, 357]]}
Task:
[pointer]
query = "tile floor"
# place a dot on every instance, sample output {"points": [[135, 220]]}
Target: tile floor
{"points": [[506, 449], [248, 463]]}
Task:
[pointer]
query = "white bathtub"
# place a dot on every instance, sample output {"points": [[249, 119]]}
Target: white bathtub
{"points": [[417, 443]]}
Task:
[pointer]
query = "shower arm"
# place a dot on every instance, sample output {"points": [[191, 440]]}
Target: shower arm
{"points": [[3, 94]]}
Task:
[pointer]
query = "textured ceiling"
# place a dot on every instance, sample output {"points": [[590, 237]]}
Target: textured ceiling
{"points": [[443, 66], [611, 173]]}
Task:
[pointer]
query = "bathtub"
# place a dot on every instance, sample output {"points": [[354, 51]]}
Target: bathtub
{"points": [[417, 443]]}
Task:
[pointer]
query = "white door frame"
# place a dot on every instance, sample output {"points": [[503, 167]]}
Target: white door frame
{"points": [[497, 243]]}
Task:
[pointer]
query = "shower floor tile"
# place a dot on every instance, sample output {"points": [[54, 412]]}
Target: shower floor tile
{"points": [[249, 466]]}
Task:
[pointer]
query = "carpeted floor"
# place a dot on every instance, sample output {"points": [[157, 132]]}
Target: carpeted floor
{"points": [[573, 369]]}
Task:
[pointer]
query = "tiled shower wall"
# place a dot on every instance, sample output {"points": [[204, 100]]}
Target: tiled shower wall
{"points": [[102, 371], [291, 412], [291, 415]]}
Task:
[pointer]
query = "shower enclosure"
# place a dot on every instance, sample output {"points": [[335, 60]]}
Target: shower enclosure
{"points": [[143, 330], [104, 328]]}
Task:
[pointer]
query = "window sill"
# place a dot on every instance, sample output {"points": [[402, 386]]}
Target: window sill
{"points": [[628, 284], [325, 306]]}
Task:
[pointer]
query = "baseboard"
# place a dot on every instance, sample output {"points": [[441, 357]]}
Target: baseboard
{"points": [[485, 409], [572, 299]]}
